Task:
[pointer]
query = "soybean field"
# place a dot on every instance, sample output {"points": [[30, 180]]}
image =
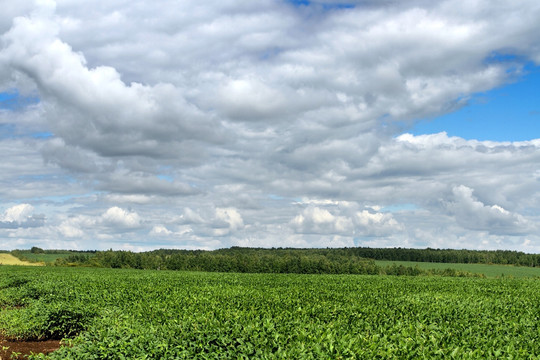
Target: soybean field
{"points": [[135, 314]]}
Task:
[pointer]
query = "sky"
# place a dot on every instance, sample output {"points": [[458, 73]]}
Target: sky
{"points": [[139, 125]]}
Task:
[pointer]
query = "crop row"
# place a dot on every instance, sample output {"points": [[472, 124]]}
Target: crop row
{"points": [[129, 314]]}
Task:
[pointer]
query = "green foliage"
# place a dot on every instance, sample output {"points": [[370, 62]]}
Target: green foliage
{"points": [[49, 257], [36, 250], [489, 270], [11, 281], [63, 320], [246, 260], [127, 314], [288, 260], [503, 257]]}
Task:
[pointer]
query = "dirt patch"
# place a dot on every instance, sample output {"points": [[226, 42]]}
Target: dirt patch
{"points": [[23, 348], [12, 307]]}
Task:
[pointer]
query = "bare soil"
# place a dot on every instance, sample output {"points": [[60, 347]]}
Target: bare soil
{"points": [[24, 348]]}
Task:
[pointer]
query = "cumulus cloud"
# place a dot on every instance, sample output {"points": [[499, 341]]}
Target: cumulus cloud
{"points": [[321, 221], [86, 226], [93, 105], [473, 214], [18, 213], [216, 221], [21, 216], [376, 223], [230, 216], [160, 230], [73, 228], [118, 217], [212, 121], [347, 221]]}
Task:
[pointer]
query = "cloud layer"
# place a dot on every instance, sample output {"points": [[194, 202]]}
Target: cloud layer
{"points": [[267, 124]]}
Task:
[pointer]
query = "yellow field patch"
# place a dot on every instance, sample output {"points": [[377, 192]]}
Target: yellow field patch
{"points": [[8, 259]]}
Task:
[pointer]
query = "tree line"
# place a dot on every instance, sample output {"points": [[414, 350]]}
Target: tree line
{"points": [[358, 260], [501, 257], [251, 260]]}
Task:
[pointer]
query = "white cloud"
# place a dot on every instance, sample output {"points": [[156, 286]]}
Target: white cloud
{"points": [[116, 216], [376, 223], [227, 220], [221, 123], [18, 213], [321, 221], [70, 230], [78, 226], [21, 216], [131, 119], [345, 221], [160, 230]]}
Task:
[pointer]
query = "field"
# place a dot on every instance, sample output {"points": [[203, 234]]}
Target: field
{"points": [[491, 271], [8, 259], [48, 257], [133, 314]]}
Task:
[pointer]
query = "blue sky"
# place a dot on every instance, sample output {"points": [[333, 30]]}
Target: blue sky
{"points": [[323, 4], [12, 100], [510, 112]]}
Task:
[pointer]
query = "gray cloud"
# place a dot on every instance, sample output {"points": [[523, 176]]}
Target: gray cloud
{"points": [[473, 214], [206, 124]]}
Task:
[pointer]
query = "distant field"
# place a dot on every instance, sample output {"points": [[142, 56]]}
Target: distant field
{"points": [[491, 271], [8, 259], [47, 258]]}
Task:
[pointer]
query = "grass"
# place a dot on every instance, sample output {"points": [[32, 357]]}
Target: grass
{"points": [[8, 259], [48, 257], [489, 270], [45, 257]]}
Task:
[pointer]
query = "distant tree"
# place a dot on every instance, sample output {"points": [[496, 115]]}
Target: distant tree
{"points": [[36, 250]]}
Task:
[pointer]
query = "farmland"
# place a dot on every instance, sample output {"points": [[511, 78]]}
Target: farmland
{"points": [[8, 259], [134, 314], [37, 255], [491, 271]]}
